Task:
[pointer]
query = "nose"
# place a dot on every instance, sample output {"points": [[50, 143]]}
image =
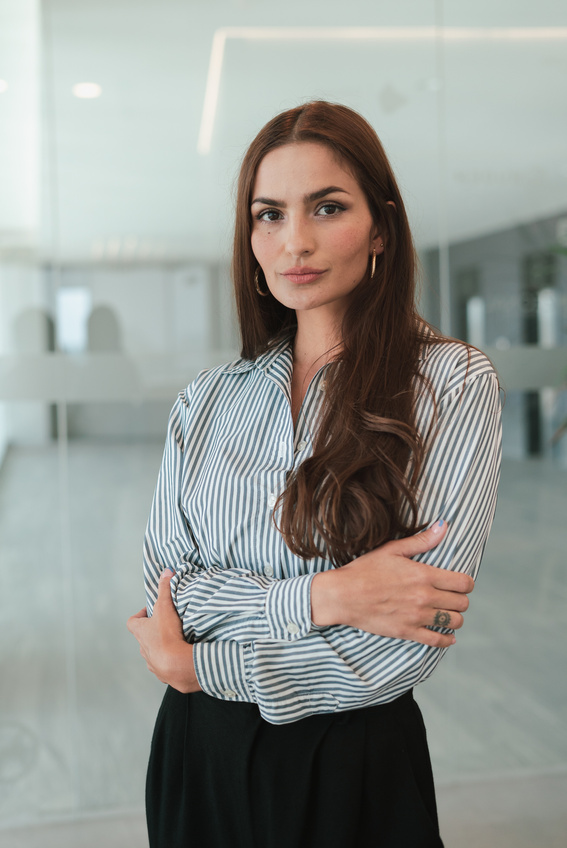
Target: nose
{"points": [[300, 238]]}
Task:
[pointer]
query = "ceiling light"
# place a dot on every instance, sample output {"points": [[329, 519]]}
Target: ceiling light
{"points": [[87, 90], [3, 86], [423, 33]]}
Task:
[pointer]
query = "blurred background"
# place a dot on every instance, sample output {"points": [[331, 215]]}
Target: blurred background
{"points": [[122, 125]]}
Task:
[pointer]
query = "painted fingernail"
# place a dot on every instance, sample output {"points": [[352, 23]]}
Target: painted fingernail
{"points": [[437, 527]]}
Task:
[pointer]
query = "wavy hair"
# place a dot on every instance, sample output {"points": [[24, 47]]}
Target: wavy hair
{"points": [[355, 492]]}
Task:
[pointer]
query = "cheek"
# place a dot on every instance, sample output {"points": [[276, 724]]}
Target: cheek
{"points": [[262, 245], [352, 245]]}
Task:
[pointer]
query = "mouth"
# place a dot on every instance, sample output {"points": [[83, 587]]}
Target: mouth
{"points": [[302, 274]]}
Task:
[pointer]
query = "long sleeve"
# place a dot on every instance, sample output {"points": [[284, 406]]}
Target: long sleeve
{"points": [[212, 598], [253, 636]]}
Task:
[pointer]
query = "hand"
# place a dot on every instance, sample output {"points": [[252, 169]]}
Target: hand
{"points": [[161, 640], [386, 593]]}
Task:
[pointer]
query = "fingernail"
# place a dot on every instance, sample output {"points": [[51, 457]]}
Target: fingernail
{"points": [[167, 572], [438, 527]]}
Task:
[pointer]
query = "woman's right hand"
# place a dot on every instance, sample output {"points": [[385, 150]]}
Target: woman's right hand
{"points": [[387, 593]]}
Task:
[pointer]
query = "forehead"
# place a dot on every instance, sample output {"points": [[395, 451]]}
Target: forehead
{"points": [[302, 168]]}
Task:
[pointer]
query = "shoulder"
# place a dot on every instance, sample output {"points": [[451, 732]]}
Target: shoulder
{"points": [[209, 380], [449, 366], [227, 380], [210, 394]]}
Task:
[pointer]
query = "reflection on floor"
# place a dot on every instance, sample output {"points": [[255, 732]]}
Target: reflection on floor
{"points": [[78, 705], [523, 813]]}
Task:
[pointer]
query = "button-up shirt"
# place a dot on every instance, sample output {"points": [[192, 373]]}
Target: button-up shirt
{"points": [[243, 597]]}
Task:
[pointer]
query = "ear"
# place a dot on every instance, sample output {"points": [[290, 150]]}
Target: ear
{"points": [[376, 242]]}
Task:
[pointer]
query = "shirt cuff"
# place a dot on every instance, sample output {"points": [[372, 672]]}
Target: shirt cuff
{"points": [[220, 670], [288, 608]]}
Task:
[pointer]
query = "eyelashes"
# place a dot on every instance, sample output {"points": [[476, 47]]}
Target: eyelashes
{"points": [[334, 207], [263, 215]]}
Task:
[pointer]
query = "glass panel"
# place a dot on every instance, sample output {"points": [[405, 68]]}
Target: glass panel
{"points": [[115, 292], [495, 707]]}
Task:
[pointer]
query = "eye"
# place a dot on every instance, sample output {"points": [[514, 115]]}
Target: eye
{"points": [[326, 210], [269, 215]]}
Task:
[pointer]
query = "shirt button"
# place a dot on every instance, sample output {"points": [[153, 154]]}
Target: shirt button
{"points": [[292, 628], [301, 445], [268, 570], [322, 385], [229, 693], [272, 500]]}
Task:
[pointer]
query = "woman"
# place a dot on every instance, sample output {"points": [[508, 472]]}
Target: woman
{"points": [[304, 605]]}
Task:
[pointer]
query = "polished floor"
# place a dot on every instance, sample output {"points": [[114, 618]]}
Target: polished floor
{"points": [[77, 704]]}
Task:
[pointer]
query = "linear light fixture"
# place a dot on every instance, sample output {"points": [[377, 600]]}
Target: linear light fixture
{"points": [[425, 33]]}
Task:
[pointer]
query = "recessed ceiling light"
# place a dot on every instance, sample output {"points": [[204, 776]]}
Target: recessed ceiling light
{"points": [[87, 89], [3, 86]]}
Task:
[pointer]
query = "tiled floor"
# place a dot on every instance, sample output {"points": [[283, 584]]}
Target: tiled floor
{"points": [[77, 703]]}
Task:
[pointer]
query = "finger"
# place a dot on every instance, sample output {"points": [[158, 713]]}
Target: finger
{"points": [[164, 589], [434, 638], [448, 620], [421, 542], [133, 621], [447, 600], [452, 581]]}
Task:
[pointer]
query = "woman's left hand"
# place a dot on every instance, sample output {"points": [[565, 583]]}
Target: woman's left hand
{"points": [[161, 641]]}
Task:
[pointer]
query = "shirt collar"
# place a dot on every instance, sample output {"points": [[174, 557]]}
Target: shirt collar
{"points": [[281, 353], [425, 348], [265, 362]]}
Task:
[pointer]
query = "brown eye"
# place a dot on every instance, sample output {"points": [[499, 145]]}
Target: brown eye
{"points": [[268, 215], [329, 209]]}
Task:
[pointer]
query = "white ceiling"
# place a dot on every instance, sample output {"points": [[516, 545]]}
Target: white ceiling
{"points": [[128, 175]]}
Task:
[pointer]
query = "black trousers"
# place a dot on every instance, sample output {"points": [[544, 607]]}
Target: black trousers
{"points": [[220, 776]]}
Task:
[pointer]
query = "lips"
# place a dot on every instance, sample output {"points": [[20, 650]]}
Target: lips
{"points": [[302, 274]]}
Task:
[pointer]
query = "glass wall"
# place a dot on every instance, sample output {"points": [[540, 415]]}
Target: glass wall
{"points": [[122, 125]]}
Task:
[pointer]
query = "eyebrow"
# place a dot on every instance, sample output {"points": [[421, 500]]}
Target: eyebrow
{"points": [[308, 198]]}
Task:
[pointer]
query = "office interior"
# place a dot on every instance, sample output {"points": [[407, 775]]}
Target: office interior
{"points": [[122, 126]]}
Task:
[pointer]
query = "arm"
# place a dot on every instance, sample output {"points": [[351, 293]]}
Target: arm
{"points": [[213, 601], [238, 604], [161, 641], [337, 667], [333, 666]]}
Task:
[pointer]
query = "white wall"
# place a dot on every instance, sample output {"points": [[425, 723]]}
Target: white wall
{"points": [[19, 115]]}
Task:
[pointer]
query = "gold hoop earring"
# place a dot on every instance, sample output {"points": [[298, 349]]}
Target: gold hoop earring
{"points": [[257, 283], [373, 266]]}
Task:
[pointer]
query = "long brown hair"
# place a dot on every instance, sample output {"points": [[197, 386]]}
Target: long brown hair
{"points": [[353, 493]]}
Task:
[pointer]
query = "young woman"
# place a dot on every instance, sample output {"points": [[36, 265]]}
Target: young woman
{"points": [[295, 596]]}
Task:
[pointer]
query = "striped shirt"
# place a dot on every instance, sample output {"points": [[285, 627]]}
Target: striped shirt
{"points": [[242, 595]]}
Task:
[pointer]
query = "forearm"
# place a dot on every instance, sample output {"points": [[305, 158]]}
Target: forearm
{"points": [[332, 670], [240, 605], [177, 669]]}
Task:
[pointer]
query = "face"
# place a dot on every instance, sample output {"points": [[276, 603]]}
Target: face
{"points": [[312, 231]]}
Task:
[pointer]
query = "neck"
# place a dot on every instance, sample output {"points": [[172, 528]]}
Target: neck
{"points": [[316, 341]]}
